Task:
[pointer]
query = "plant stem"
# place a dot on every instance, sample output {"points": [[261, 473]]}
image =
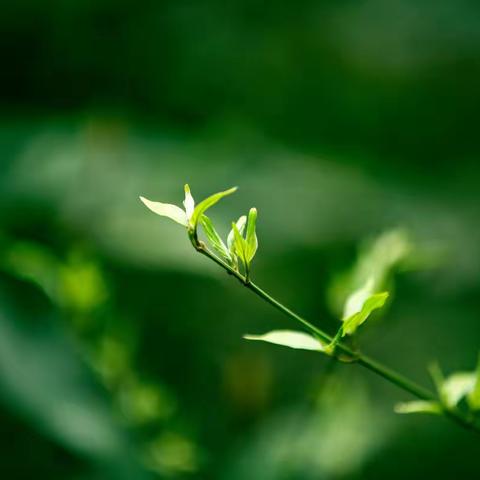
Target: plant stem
{"points": [[363, 360], [387, 373]]}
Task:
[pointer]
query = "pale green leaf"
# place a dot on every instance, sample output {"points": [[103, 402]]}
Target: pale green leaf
{"points": [[166, 210], [239, 244], [474, 396], [188, 203], [373, 302], [457, 386], [356, 299], [289, 338], [418, 406], [251, 236], [204, 205], [214, 238], [241, 222]]}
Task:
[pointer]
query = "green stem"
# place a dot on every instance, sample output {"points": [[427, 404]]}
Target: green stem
{"points": [[363, 360], [387, 373]]}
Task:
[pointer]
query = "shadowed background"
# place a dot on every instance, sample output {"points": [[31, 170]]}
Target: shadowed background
{"points": [[121, 350]]}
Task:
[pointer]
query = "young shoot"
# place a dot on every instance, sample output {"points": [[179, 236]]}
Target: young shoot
{"points": [[458, 396]]}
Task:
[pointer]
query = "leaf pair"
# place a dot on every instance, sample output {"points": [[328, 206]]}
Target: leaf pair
{"points": [[239, 246], [451, 391], [227, 252], [379, 260], [358, 308], [245, 247], [192, 214]]}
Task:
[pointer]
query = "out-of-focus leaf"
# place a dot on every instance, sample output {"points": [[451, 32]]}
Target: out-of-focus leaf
{"points": [[311, 443], [457, 386], [437, 376], [289, 338], [418, 406], [204, 205], [215, 241], [82, 287], [376, 263], [171, 452], [34, 262], [251, 236], [166, 210], [474, 396], [143, 403], [189, 202], [44, 381]]}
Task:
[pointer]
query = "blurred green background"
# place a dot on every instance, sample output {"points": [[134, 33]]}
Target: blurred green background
{"points": [[121, 354]]}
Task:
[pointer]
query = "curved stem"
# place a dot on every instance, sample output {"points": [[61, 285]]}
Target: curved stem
{"points": [[387, 373]]}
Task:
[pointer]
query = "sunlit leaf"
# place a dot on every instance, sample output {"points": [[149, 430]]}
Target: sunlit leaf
{"points": [[357, 298], [214, 238], [241, 222], [204, 205], [251, 236], [188, 203], [166, 210], [371, 303], [418, 406], [240, 245], [289, 338]]}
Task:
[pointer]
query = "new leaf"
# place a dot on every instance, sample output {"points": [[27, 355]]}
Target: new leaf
{"points": [[251, 236], [167, 210], [214, 238], [289, 338], [371, 303], [204, 205], [240, 245]]}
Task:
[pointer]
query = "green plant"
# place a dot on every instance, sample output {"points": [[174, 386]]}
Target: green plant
{"points": [[457, 396]]}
